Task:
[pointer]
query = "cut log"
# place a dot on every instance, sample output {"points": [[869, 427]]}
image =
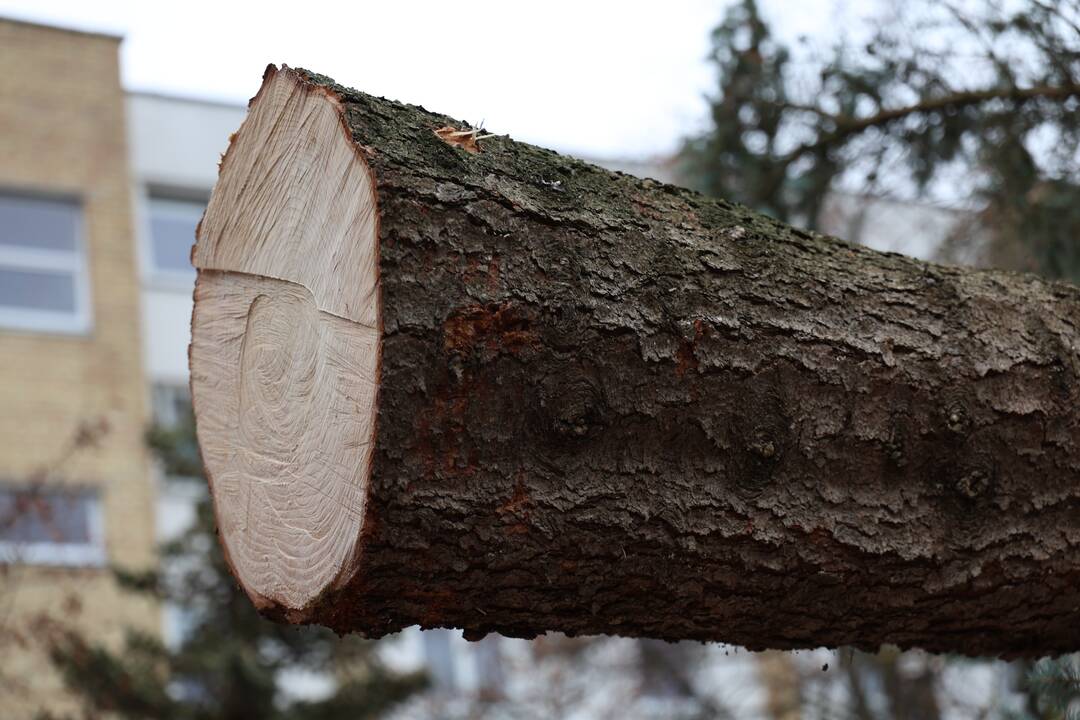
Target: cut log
{"points": [[453, 380]]}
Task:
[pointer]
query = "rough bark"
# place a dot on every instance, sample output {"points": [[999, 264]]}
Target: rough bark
{"points": [[610, 405]]}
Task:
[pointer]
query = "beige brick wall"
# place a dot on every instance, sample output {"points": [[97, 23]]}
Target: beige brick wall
{"points": [[62, 131]]}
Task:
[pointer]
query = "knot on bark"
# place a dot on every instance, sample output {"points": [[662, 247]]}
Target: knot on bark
{"points": [[571, 405], [956, 418], [761, 434], [763, 447], [974, 483], [762, 453], [894, 446]]}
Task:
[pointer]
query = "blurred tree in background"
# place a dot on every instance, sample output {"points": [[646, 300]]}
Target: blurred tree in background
{"points": [[969, 105], [972, 105], [229, 662]]}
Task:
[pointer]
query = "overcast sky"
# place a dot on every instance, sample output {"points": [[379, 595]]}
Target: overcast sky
{"points": [[598, 78]]}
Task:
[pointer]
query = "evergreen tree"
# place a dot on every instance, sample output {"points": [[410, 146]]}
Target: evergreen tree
{"points": [[970, 104], [229, 663]]}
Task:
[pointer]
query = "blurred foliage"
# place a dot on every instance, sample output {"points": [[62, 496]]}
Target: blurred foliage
{"points": [[229, 662], [1055, 687], [974, 105]]}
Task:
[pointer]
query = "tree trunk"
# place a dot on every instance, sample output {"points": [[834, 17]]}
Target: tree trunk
{"points": [[454, 380]]}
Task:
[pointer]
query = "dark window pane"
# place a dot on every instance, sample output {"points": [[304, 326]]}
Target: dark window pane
{"points": [[37, 223], [45, 516], [172, 233], [37, 290]]}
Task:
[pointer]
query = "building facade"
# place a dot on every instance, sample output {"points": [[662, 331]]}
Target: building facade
{"points": [[74, 496]]}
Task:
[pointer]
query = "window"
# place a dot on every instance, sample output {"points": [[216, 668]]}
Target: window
{"points": [[172, 233], [51, 526], [170, 405], [43, 279]]}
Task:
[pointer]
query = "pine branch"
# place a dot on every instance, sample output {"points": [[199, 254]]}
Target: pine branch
{"points": [[846, 126]]}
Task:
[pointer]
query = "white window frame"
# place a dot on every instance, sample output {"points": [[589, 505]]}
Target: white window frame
{"points": [[63, 554], [154, 276], [78, 322]]}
